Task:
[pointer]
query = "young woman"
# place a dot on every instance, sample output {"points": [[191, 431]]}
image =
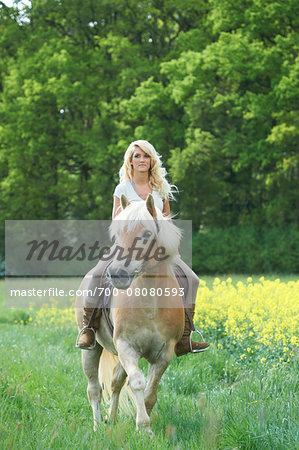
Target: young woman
{"points": [[142, 174]]}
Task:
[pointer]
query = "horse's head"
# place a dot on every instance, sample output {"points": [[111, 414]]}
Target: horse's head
{"points": [[145, 241]]}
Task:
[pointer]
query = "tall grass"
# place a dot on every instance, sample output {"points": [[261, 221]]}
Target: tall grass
{"points": [[208, 401]]}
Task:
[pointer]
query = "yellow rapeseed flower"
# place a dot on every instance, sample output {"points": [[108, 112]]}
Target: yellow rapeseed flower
{"points": [[264, 312], [53, 316]]}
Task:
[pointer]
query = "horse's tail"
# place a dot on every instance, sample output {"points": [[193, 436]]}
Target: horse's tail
{"points": [[108, 362]]}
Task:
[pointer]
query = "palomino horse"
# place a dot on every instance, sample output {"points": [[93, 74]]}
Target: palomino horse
{"points": [[145, 326]]}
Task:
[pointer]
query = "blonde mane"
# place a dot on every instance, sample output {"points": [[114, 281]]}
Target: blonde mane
{"points": [[136, 214]]}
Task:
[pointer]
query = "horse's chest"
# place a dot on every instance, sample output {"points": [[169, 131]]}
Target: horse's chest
{"points": [[151, 314], [140, 329], [149, 343]]}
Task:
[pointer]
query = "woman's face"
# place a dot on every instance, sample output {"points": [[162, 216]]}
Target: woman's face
{"points": [[141, 161]]}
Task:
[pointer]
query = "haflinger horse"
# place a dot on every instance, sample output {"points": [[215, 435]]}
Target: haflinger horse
{"points": [[146, 326]]}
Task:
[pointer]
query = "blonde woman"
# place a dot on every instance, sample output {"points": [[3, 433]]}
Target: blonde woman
{"points": [[142, 174]]}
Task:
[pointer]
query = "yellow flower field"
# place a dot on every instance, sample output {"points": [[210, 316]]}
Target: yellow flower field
{"points": [[52, 316], [263, 313], [255, 316]]}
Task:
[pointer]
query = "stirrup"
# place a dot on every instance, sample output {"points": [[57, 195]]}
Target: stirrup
{"points": [[91, 347], [193, 350]]}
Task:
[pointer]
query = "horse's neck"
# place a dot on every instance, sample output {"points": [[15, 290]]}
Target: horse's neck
{"points": [[161, 271]]}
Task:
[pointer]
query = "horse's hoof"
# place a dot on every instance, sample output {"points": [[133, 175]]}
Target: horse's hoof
{"points": [[110, 419], [150, 434], [96, 427], [147, 430]]}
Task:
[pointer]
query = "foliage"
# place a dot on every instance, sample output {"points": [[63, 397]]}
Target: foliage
{"points": [[240, 159], [213, 85], [246, 249]]}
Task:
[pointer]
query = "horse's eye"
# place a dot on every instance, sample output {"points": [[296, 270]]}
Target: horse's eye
{"points": [[146, 234]]}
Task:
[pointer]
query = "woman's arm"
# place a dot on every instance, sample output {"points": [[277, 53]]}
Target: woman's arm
{"points": [[166, 212], [166, 207], [116, 207]]}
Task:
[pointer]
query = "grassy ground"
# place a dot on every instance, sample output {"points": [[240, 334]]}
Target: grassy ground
{"points": [[209, 401]]}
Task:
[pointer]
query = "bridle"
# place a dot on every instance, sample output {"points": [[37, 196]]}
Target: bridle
{"points": [[144, 267], [157, 226]]}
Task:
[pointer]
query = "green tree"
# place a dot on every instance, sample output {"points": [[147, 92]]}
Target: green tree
{"points": [[213, 85], [240, 93]]}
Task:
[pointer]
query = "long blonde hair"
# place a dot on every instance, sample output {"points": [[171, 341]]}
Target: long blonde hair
{"points": [[157, 173]]}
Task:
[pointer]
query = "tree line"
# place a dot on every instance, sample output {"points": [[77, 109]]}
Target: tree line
{"points": [[212, 84]]}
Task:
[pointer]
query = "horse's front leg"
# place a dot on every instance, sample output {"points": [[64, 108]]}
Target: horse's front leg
{"points": [[118, 380], [155, 372], [90, 361], [129, 359]]}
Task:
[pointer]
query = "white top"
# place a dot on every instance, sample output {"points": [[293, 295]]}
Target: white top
{"points": [[127, 188]]}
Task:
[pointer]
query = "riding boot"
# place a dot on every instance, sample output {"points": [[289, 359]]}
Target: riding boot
{"points": [[86, 338], [183, 346]]}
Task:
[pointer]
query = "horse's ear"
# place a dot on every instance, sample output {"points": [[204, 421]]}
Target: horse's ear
{"points": [[150, 204], [124, 201]]}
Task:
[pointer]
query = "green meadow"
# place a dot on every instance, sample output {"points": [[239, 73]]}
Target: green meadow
{"points": [[209, 401]]}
